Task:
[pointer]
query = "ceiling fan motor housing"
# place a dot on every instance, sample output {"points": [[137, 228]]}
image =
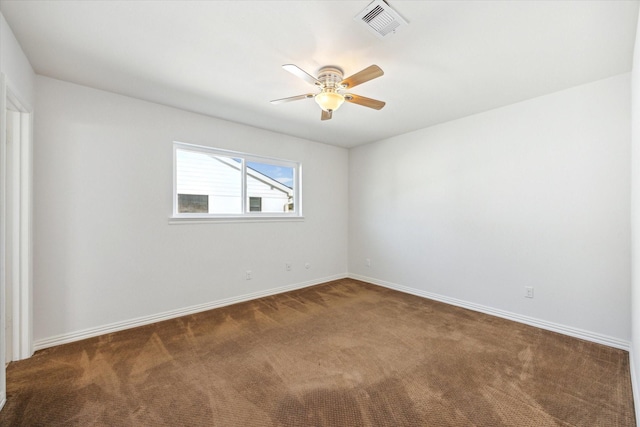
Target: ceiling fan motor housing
{"points": [[330, 77]]}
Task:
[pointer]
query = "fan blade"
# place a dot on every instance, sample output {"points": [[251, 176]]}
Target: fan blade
{"points": [[369, 73], [326, 115], [299, 72], [366, 102], [292, 98]]}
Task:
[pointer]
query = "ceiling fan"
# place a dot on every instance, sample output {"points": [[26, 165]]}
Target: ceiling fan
{"points": [[333, 88]]}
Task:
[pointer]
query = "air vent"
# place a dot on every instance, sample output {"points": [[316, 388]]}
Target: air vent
{"points": [[381, 19]]}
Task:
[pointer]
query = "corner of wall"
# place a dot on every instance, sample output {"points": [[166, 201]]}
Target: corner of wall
{"points": [[635, 223], [15, 65]]}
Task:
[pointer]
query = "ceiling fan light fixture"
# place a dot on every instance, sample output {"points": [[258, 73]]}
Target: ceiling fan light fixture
{"points": [[332, 85], [329, 101]]}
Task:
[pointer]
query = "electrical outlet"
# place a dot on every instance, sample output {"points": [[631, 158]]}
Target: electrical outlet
{"points": [[528, 291], [249, 275], [287, 267], [367, 262]]}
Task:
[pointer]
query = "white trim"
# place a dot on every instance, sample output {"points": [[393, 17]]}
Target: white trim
{"points": [[228, 219], [3, 232], [14, 219], [22, 291], [172, 314], [145, 320], [22, 233], [542, 324], [25, 291]]}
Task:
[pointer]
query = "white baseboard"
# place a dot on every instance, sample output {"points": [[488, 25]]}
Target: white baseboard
{"points": [[542, 324], [172, 314], [3, 400], [145, 320]]}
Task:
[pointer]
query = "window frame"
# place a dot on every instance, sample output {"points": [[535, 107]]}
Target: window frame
{"points": [[245, 215]]}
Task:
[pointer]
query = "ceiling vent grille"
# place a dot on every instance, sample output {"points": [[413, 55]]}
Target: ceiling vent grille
{"points": [[381, 19]]}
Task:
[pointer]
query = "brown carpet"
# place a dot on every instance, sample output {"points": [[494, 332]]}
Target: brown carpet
{"points": [[343, 353]]}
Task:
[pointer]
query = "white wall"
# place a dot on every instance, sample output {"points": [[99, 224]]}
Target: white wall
{"points": [[104, 249], [15, 65], [635, 222], [532, 194]]}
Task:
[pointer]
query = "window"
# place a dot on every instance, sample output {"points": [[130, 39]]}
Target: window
{"points": [[255, 204], [212, 183]]}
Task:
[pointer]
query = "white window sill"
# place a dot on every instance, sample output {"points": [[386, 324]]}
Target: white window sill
{"points": [[228, 219]]}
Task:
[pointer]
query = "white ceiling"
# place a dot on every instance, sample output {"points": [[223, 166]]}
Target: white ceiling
{"points": [[223, 58]]}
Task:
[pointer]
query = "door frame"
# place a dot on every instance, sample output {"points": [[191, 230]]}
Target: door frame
{"points": [[20, 252]]}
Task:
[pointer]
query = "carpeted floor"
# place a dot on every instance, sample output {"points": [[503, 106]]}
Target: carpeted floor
{"points": [[342, 354]]}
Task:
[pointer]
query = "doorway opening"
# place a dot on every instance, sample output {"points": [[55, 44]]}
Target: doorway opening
{"points": [[15, 230]]}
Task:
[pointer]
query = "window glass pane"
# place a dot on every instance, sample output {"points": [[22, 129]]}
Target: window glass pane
{"points": [[255, 204], [214, 182], [217, 177], [193, 203], [272, 184]]}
